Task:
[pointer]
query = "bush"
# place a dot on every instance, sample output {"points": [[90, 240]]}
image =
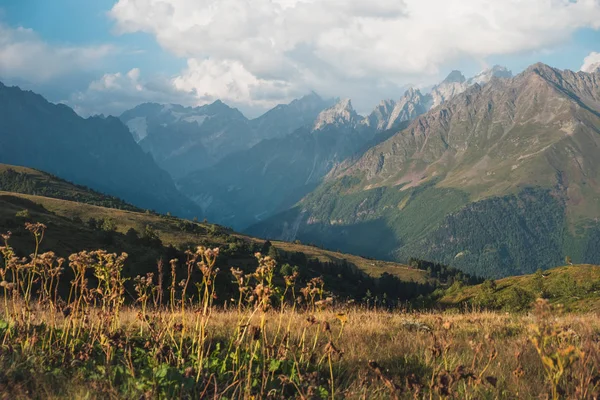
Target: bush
{"points": [[23, 214], [517, 299]]}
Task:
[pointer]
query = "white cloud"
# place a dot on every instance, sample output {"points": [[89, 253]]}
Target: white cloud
{"points": [[591, 63], [24, 55], [114, 93], [240, 48], [230, 81]]}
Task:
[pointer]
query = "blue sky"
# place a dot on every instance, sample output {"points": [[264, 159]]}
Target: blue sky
{"points": [[108, 55], [85, 22]]}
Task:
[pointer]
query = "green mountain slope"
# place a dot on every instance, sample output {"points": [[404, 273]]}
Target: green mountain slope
{"points": [[576, 287], [502, 179]]}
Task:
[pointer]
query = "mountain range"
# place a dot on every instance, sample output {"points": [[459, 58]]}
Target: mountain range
{"points": [[495, 174], [248, 186], [502, 179], [186, 139], [96, 152]]}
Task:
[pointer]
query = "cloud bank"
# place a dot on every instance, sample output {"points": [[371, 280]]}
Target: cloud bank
{"points": [[591, 62], [262, 52], [114, 93], [26, 56]]}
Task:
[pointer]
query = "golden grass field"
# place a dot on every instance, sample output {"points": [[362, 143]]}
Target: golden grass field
{"points": [[472, 355], [270, 342]]}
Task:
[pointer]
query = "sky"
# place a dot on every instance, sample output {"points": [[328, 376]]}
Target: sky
{"points": [[107, 56]]}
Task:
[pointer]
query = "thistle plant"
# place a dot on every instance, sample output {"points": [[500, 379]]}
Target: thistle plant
{"points": [[556, 350]]}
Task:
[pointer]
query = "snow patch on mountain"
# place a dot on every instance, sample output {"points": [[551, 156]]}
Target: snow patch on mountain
{"points": [[485, 76], [138, 127], [198, 119]]}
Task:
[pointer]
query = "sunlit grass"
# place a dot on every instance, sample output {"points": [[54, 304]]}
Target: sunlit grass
{"points": [[178, 339]]}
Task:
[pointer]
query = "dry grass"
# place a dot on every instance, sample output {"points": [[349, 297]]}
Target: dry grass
{"points": [[271, 342], [412, 350]]}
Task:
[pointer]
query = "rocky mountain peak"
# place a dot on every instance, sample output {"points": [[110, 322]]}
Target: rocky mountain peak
{"points": [[540, 69], [412, 92], [312, 96], [218, 107], [453, 85], [380, 116], [487, 75], [341, 113], [309, 102], [455, 77]]}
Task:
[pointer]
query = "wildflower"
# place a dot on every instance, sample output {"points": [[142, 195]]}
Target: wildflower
{"points": [[331, 349], [342, 317], [444, 383]]}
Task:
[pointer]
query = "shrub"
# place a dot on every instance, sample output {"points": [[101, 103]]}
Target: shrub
{"points": [[23, 214]]}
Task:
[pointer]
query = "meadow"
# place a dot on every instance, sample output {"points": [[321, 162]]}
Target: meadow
{"points": [[175, 338]]}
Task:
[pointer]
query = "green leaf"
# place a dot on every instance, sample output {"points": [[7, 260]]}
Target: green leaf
{"points": [[274, 365], [3, 325]]}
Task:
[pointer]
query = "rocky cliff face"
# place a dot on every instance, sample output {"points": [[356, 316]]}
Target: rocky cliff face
{"points": [[408, 108], [341, 114]]}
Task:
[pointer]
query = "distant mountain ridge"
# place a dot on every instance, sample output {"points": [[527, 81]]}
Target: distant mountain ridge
{"points": [[96, 152], [186, 139]]}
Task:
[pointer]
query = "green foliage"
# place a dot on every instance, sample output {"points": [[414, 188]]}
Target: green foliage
{"points": [[539, 286], [575, 287], [518, 299], [286, 270], [273, 253], [499, 237], [108, 225], [23, 214], [444, 273]]}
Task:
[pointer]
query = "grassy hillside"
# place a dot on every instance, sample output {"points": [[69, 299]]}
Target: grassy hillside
{"points": [[179, 233], [148, 237], [576, 287]]}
